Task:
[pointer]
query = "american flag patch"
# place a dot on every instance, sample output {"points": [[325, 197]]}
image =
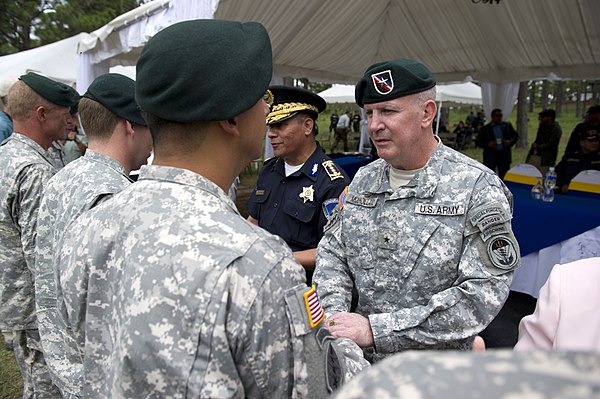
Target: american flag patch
{"points": [[313, 307]]}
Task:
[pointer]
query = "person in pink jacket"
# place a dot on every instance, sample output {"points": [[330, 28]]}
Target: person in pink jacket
{"points": [[566, 317]]}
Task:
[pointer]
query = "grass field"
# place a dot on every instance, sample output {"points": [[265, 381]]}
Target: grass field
{"points": [[10, 380]]}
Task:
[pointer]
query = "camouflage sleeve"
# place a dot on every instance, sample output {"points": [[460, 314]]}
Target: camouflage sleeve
{"points": [[332, 274], [484, 273], [267, 350], [31, 183]]}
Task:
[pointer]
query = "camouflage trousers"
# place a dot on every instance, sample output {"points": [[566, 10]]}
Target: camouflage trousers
{"points": [[37, 382]]}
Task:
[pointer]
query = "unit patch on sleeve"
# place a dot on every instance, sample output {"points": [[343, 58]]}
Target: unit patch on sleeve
{"points": [[484, 211], [439, 209], [330, 207], [502, 252]]}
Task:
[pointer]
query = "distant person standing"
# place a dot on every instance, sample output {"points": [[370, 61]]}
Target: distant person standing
{"points": [[40, 111], [497, 138], [591, 123], [356, 123], [544, 150], [333, 121], [341, 131]]}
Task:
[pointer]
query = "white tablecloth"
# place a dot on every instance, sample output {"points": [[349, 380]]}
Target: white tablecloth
{"points": [[536, 267]]}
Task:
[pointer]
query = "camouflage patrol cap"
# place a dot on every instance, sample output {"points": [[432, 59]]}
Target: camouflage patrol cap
{"points": [[288, 101], [204, 70], [116, 92], [53, 91], [392, 79]]}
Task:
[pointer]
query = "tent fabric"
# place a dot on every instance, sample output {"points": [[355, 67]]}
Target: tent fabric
{"points": [[494, 41], [56, 60], [464, 93]]}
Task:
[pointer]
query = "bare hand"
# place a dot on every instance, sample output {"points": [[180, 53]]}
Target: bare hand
{"points": [[352, 326]]}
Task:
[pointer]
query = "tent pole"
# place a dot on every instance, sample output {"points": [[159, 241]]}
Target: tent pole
{"points": [[439, 114]]}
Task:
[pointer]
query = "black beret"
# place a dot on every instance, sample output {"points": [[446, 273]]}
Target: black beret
{"points": [[117, 93], [53, 91], [204, 70], [548, 112], [288, 101], [392, 79]]}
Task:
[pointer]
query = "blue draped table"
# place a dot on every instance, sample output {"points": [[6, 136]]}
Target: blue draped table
{"points": [[351, 163], [539, 224], [550, 233]]}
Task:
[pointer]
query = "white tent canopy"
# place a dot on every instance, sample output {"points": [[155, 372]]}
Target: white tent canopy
{"points": [[465, 93], [56, 60], [499, 42]]}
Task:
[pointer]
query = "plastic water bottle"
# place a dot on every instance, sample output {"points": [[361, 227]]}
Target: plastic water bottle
{"points": [[537, 190], [549, 184]]}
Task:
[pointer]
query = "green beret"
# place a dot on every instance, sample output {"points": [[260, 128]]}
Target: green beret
{"points": [[392, 79], [288, 101], [204, 70], [53, 91], [117, 93]]}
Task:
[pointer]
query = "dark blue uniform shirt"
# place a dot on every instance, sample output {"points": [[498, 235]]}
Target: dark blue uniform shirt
{"points": [[298, 206]]}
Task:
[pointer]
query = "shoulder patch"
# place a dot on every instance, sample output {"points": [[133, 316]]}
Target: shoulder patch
{"points": [[314, 310], [332, 170], [484, 211], [502, 252], [330, 207]]}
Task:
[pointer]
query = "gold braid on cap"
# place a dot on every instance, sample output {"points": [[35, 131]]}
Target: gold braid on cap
{"points": [[281, 111]]}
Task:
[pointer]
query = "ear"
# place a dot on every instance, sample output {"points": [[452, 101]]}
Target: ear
{"points": [[128, 128], [231, 126], [41, 113], [308, 126], [429, 113]]}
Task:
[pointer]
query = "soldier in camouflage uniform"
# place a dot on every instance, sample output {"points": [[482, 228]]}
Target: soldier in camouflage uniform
{"points": [[182, 297], [500, 374], [40, 110], [423, 234], [119, 142]]}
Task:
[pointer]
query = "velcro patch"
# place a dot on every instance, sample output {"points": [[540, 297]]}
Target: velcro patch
{"points": [[494, 231], [439, 209], [502, 252], [330, 207], [489, 221], [315, 311], [485, 211], [360, 200], [386, 239]]}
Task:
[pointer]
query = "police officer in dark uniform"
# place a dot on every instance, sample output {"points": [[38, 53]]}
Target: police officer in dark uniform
{"points": [[298, 189], [586, 157]]}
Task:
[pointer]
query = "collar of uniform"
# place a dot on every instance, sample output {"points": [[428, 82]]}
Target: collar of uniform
{"points": [[21, 138], [112, 163], [316, 157], [184, 177]]}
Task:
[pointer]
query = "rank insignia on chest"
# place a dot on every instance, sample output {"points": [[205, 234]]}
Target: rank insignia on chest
{"points": [[386, 239], [307, 194], [315, 311], [332, 170]]}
